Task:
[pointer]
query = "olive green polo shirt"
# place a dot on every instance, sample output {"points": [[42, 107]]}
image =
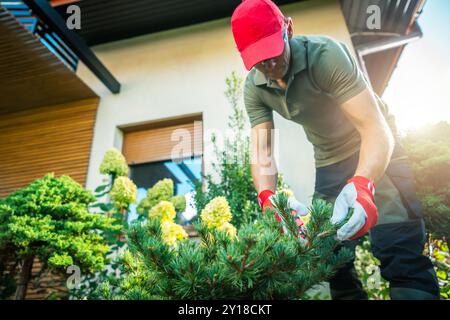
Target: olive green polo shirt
{"points": [[323, 75]]}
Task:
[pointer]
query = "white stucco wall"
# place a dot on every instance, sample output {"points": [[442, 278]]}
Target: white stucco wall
{"points": [[182, 71]]}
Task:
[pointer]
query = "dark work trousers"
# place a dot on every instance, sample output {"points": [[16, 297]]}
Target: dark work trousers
{"points": [[397, 241]]}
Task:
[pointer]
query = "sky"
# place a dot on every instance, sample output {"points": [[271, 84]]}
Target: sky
{"points": [[419, 90]]}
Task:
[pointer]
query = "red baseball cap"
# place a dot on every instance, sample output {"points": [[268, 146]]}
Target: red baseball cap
{"points": [[257, 27]]}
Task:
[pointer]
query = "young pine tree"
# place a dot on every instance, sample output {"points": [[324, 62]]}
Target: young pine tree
{"points": [[256, 261]]}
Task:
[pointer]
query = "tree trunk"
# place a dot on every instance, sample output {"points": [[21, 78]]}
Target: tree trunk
{"points": [[24, 278]]}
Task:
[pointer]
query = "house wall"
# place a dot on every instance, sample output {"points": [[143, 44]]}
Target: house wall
{"points": [[183, 71]]}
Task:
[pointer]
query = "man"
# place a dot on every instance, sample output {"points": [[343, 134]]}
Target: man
{"points": [[315, 82]]}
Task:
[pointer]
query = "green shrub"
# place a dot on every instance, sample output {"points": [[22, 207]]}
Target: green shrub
{"points": [[49, 220], [429, 151], [438, 252], [257, 263], [368, 270]]}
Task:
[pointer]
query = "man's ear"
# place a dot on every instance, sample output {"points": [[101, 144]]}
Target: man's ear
{"points": [[290, 27]]}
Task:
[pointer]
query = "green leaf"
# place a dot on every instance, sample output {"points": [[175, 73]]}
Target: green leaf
{"points": [[106, 207], [101, 195], [441, 274], [96, 205], [101, 188]]}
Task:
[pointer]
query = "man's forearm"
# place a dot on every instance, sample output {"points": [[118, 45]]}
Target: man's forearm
{"points": [[377, 144], [262, 180], [263, 166]]}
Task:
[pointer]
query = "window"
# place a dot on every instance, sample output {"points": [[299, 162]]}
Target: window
{"points": [[148, 150], [184, 176]]}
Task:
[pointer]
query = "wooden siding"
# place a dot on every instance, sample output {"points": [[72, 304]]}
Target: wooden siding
{"points": [[50, 139], [48, 286]]}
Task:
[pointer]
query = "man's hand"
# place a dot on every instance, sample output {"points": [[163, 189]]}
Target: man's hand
{"points": [[359, 195], [264, 200], [299, 209]]}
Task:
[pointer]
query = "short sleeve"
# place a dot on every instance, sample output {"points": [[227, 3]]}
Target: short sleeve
{"points": [[337, 73], [257, 111]]}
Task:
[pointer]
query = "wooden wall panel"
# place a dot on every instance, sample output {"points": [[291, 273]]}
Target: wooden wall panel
{"points": [[155, 142], [50, 139]]}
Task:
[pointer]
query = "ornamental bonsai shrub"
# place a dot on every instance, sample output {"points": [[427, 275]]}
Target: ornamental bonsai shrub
{"points": [[256, 261], [119, 190], [49, 220]]}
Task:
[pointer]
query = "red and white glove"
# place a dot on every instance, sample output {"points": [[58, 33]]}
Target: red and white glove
{"points": [[299, 209], [358, 194]]}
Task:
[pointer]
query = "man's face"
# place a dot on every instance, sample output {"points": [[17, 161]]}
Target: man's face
{"points": [[277, 67]]}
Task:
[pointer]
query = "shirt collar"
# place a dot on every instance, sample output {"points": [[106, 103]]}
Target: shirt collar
{"points": [[298, 52]]}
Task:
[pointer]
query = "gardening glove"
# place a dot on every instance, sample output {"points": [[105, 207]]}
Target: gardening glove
{"points": [[358, 194], [299, 209]]}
